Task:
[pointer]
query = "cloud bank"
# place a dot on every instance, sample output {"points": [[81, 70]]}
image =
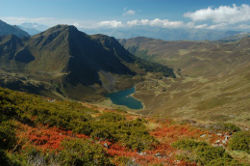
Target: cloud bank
{"points": [[155, 22], [111, 23], [223, 17], [223, 14]]}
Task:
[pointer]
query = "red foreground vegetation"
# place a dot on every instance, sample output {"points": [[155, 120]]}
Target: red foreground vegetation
{"points": [[46, 138], [50, 138]]}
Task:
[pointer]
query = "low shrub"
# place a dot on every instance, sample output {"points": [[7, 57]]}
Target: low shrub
{"points": [[103, 134], [225, 127], [203, 153], [8, 160], [112, 117], [229, 127], [188, 144], [240, 141], [124, 161], [7, 135], [4, 160], [80, 152], [224, 162], [206, 154], [116, 128], [31, 155], [139, 140]]}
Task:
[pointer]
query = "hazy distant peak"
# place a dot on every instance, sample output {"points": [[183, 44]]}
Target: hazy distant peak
{"points": [[39, 27]]}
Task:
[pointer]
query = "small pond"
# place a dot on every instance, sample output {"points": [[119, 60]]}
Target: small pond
{"points": [[125, 98]]}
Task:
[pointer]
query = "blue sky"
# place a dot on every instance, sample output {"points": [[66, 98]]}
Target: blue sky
{"points": [[122, 13]]}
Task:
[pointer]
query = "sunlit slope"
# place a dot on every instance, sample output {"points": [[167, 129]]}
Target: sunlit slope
{"points": [[213, 79], [192, 58]]}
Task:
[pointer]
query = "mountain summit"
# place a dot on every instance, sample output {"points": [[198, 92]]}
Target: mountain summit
{"points": [[70, 59], [64, 49]]}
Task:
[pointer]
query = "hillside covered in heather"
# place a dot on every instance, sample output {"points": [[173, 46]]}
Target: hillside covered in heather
{"points": [[41, 131]]}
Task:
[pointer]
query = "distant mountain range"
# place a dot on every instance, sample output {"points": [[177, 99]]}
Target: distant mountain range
{"points": [[6, 29], [33, 28], [164, 33], [38, 27], [236, 37], [73, 63], [30, 31]]}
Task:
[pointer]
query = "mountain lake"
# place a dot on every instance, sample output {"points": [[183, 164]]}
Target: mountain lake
{"points": [[125, 98]]}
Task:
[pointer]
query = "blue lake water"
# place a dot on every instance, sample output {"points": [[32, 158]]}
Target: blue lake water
{"points": [[124, 98]]}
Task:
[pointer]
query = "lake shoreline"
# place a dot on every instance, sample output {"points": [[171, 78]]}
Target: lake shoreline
{"points": [[126, 98]]}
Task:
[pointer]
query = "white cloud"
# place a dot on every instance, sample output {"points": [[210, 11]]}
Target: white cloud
{"points": [[156, 22], [217, 26], [132, 23], [201, 26], [129, 13], [111, 23], [222, 14]]}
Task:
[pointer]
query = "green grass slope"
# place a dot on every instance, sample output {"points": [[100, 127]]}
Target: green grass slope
{"points": [[212, 83]]}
